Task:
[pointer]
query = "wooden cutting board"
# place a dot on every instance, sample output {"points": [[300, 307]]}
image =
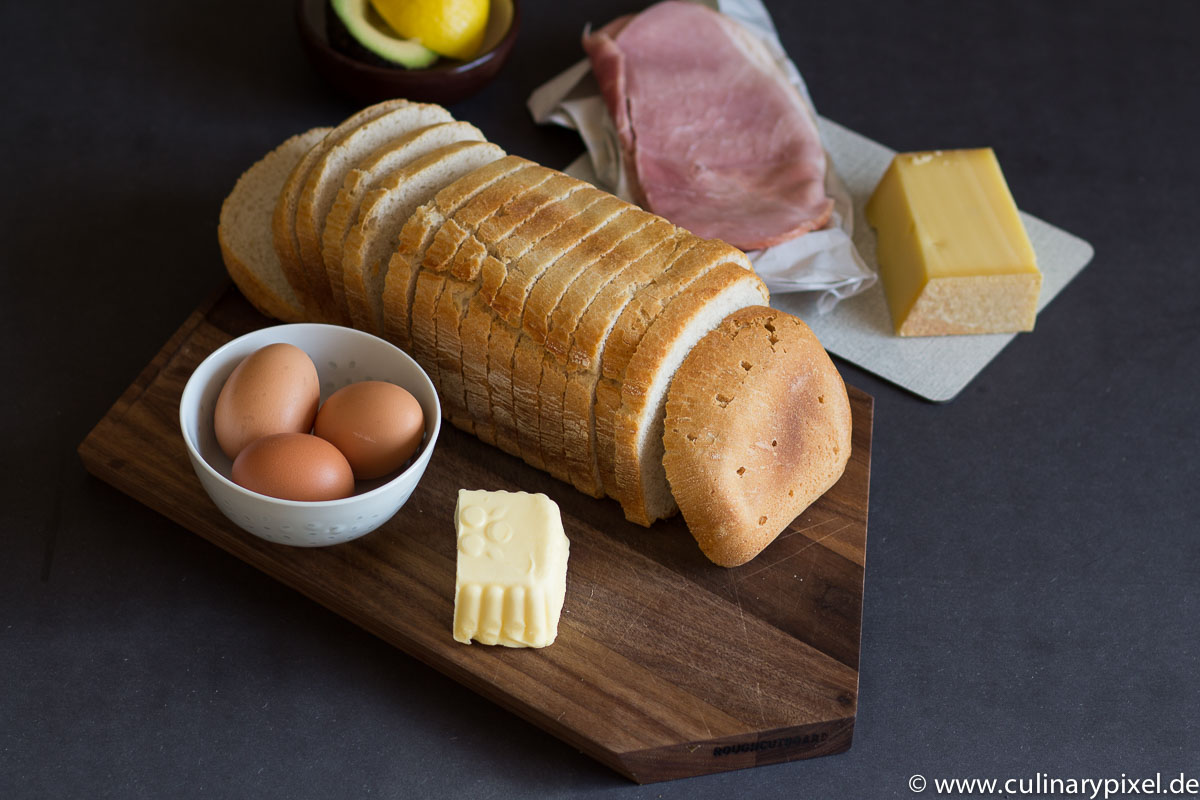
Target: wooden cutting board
{"points": [[665, 666]]}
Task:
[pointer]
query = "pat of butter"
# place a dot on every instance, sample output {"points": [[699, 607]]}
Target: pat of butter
{"points": [[512, 568], [953, 254]]}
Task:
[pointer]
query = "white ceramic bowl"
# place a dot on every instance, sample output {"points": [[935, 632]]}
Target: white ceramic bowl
{"points": [[342, 356]]}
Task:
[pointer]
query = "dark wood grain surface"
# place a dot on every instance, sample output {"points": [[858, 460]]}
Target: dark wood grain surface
{"points": [[666, 665]]}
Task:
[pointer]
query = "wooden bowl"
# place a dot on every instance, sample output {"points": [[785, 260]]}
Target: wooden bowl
{"points": [[368, 80]]}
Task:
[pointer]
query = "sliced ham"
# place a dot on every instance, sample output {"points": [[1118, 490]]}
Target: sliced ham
{"points": [[715, 138]]}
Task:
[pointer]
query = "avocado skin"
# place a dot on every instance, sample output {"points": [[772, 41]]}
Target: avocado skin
{"points": [[351, 32]]}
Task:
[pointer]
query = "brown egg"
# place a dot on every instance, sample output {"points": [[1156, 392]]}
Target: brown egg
{"points": [[274, 390], [377, 426], [294, 466]]}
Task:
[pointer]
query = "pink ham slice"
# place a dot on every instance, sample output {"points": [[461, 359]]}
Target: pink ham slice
{"points": [[715, 138]]}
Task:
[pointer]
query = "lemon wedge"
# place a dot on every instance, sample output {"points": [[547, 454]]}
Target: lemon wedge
{"points": [[453, 28]]}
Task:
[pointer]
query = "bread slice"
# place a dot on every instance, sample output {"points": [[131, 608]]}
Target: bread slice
{"points": [[525, 212], [530, 366], [373, 239], [540, 241], [452, 246], [758, 426], [244, 230], [643, 308], [329, 171], [417, 235], [368, 174], [585, 348], [455, 300], [558, 439], [642, 487], [582, 237], [311, 288]]}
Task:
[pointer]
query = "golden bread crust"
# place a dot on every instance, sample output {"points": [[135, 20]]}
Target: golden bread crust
{"points": [[757, 427]]}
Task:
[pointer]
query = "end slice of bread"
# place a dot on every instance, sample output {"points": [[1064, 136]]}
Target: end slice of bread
{"points": [[757, 427], [244, 231]]}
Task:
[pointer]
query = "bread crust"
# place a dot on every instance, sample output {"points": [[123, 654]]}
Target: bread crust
{"points": [[537, 367], [418, 234], [474, 333], [259, 294], [458, 255], [582, 237], [468, 263], [249, 210], [507, 256], [758, 426], [786, 420], [283, 235]]}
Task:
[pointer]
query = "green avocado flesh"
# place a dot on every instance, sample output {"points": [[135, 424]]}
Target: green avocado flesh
{"points": [[372, 32]]}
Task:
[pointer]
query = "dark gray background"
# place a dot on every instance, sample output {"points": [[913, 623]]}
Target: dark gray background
{"points": [[1033, 580]]}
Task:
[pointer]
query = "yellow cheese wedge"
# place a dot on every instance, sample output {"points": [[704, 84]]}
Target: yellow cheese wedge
{"points": [[512, 568], [953, 254]]}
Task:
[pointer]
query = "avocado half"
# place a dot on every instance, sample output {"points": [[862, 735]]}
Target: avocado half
{"points": [[369, 30]]}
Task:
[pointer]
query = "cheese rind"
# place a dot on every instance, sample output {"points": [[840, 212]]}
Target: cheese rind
{"points": [[511, 577], [953, 254]]}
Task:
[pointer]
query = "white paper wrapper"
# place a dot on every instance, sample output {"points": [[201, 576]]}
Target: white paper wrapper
{"points": [[823, 261]]}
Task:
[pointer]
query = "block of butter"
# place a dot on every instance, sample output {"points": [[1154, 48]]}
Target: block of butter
{"points": [[953, 254], [512, 568]]}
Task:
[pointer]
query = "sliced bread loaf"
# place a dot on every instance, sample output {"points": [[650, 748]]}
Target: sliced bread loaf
{"points": [[368, 174], [642, 487], [758, 426], [373, 239], [244, 230], [329, 171], [312, 288]]}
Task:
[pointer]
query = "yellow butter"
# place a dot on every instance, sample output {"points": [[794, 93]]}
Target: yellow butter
{"points": [[953, 254], [512, 568]]}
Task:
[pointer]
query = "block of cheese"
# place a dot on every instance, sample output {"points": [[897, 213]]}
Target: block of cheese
{"points": [[512, 568], [953, 254]]}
